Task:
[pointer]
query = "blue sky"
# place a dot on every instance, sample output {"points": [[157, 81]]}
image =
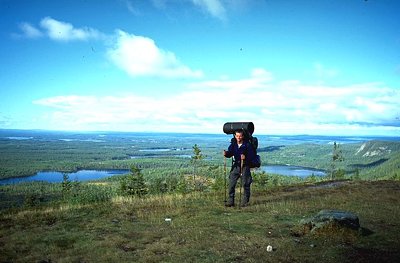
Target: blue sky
{"points": [[292, 67]]}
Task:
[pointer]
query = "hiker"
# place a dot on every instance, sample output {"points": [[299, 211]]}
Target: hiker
{"points": [[242, 152]]}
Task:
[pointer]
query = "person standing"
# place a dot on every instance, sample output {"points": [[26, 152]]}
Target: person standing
{"points": [[241, 151]]}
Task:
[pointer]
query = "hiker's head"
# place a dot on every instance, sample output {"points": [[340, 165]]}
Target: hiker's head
{"points": [[239, 136]]}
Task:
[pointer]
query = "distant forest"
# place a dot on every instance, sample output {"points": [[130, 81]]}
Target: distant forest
{"points": [[24, 153]]}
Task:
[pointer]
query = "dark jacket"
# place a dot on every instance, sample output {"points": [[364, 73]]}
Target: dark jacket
{"points": [[246, 148]]}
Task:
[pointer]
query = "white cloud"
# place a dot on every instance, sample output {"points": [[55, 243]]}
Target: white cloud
{"points": [[261, 74], [137, 55], [59, 31], [86, 112], [62, 31], [367, 103], [274, 107], [30, 31], [214, 7], [140, 56], [258, 79]]}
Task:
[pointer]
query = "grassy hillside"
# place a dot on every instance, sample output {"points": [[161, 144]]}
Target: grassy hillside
{"points": [[196, 227]]}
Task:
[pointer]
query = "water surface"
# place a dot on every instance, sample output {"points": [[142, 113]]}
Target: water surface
{"points": [[57, 177], [292, 170]]}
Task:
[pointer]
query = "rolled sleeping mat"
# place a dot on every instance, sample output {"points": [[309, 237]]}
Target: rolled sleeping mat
{"points": [[231, 127]]}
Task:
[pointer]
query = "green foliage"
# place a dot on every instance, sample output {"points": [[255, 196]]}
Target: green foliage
{"points": [[158, 185], [66, 185], [71, 191], [337, 156], [80, 193], [215, 174], [134, 183], [338, 174], [312, 178], [396, 177], [33, 199], [275, 181], [195, 159], [182, 185], [356, 175], [219, 184], [197, 155], [261, 180]]}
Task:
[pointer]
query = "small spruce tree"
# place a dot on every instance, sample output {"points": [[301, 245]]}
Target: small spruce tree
{"points": [[66, 186], [196, 158], [134, 184], [337, 156]]}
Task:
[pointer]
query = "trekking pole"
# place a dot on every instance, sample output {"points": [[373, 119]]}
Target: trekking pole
{"points": [[225, 178], [241, 180]]}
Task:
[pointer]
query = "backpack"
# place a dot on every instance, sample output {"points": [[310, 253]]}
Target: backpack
{"points": [[256, 162]]}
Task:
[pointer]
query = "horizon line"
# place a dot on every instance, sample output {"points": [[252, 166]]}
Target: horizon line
{"points": [[199, 133]]}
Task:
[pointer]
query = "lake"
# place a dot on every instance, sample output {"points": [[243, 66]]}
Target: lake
{"points": [[87, 175], [57, 177], [292, 170]]}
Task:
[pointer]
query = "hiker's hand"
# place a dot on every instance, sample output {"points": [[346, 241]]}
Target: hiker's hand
{"points": [[224, 153], [242, 156]]}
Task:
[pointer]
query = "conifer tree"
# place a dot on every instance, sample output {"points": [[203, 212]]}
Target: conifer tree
{"points": [[337, 156], [134, 184], [196, 158]]}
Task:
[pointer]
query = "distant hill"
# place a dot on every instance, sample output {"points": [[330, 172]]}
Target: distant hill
{"points": [[369, 159], [383, 159], [377, 148]]}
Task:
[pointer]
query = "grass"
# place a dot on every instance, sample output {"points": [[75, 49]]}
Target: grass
{"points": [[201, 229]]}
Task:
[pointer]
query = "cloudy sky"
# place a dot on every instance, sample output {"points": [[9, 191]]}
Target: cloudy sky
{"points": [[291, 67]]}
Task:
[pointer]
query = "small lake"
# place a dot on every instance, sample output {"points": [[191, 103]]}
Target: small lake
{"points": [[87, 175], [57, 177], [292, 170]]}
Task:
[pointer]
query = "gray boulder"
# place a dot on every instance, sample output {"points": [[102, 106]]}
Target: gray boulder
{"points": [[331, 220]]}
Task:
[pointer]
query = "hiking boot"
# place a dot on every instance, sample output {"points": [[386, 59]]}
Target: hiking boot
{"points": [[229, 204]]}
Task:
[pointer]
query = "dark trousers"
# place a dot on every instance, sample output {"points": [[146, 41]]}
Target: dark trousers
{"points": [[246, 181]]}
